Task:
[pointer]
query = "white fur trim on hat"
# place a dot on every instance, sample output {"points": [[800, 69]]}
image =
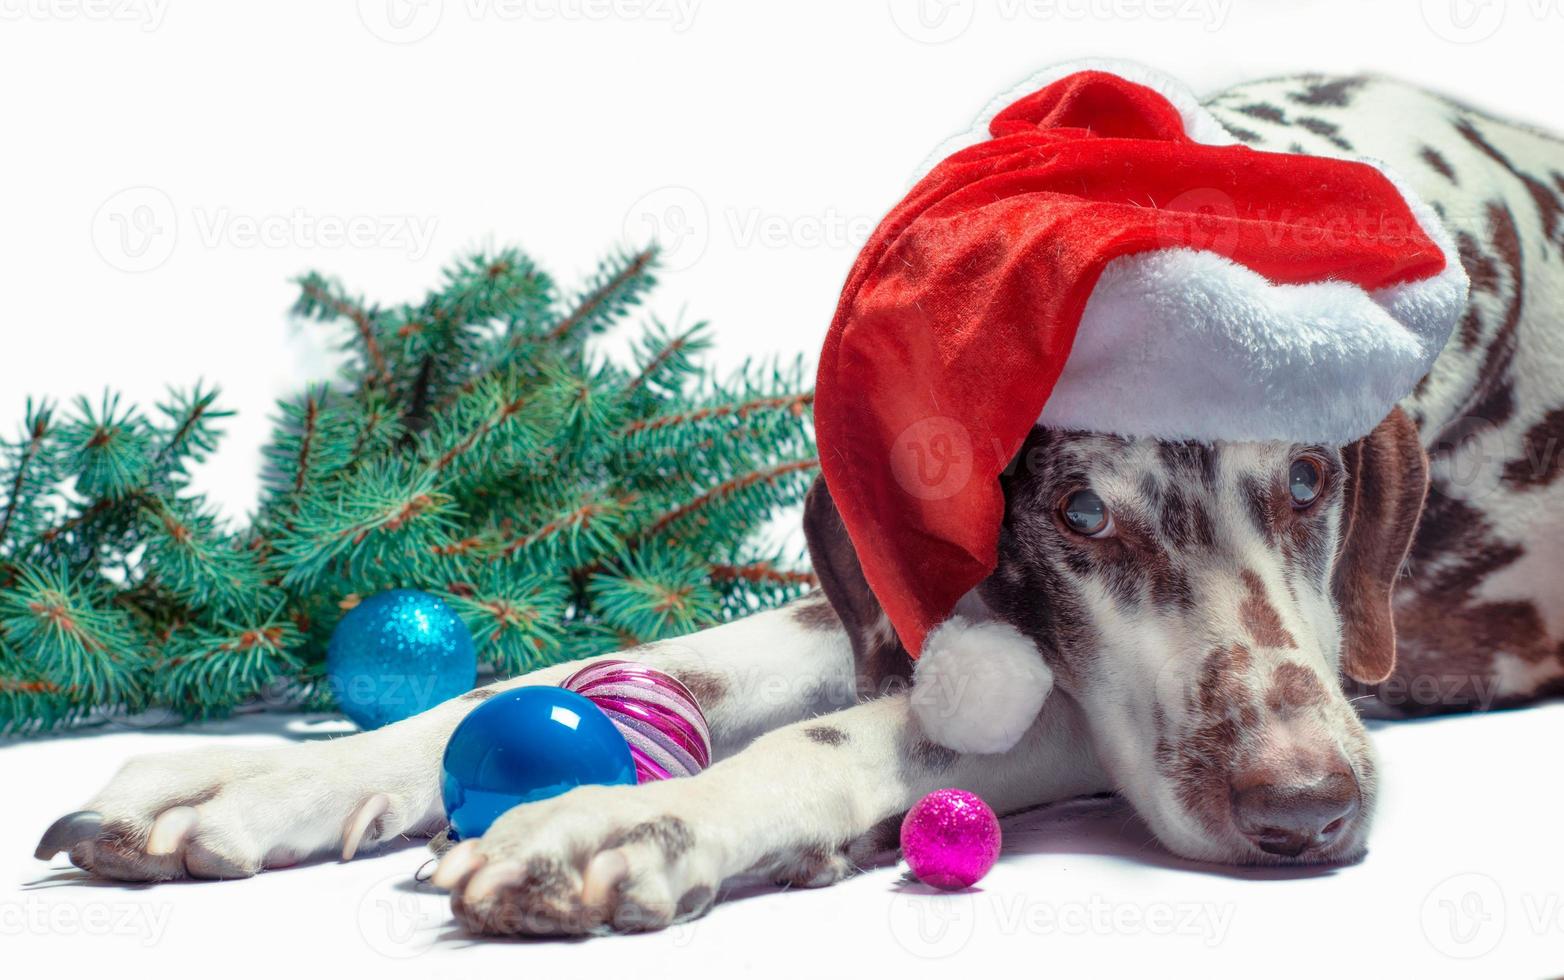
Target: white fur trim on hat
{"points": [[978, 686], [1163, 330], [1316, 362]]}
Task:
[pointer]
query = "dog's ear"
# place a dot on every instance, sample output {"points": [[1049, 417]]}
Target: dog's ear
{"points": [[1387, 479], [879, 654]]}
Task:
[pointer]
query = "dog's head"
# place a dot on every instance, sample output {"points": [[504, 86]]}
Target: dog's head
{"points": [[1200, 603]]}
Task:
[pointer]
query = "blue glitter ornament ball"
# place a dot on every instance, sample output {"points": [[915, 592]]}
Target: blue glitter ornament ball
{"points": [[398, 653], [525, 745]]}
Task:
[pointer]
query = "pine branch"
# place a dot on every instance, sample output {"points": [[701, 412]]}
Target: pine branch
{"points": [[657, 592], [593, 528], [762, 572], [208, 670], [476, 446], [795, 404], [668, 353], [37, 431], [78, 644], [191, 436], [507, 410], [109, 449], [728, 488], [388, 515], [323, 300], [309, 432], [613, 292], [519, 619]]}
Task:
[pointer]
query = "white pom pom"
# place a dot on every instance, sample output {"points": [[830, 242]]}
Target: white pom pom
{"points": [[978, 686]]}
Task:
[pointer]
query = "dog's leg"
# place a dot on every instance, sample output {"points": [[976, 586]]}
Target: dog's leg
{"points": [[806, 805], [224, 813]]}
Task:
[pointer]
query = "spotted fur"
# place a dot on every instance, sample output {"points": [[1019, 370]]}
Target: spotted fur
{"points": [[1208, 656], [1480, 608]]}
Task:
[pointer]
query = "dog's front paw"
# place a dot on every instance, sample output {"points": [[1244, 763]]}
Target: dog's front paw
{"points": [[222, 813], [599, 858]]}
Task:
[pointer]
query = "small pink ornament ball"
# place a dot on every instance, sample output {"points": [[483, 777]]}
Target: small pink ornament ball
{"points": [[950, 839]]}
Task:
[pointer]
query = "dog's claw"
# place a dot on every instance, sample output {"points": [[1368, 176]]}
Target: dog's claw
{"points": [[603, 877], [490, 879], [68, 831], [359, 822], [170, 829], [456, 864]]}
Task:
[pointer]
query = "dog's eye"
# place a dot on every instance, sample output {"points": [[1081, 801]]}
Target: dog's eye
{"points": [[1305, 480], [1085, 513]]}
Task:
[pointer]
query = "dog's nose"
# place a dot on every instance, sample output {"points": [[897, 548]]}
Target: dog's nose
{"points": [[1289, 818]]}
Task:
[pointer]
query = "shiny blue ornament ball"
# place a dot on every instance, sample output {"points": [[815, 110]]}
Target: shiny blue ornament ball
{"points": [[525, 745], [398, 653]]}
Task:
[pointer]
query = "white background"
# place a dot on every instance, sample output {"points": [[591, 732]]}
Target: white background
{"points": [[168, 165]]}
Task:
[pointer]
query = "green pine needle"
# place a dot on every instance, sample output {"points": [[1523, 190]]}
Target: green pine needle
{"points": [[475, 445]]}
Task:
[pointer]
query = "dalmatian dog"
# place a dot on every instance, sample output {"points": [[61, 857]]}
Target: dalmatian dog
{"points": [[1202, 609]]}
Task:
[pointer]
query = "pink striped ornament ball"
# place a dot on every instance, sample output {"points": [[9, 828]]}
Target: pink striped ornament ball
{"points": [[655, 713]]}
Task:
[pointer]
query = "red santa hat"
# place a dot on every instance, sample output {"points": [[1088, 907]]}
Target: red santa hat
{"points": [[1104, 256]]}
